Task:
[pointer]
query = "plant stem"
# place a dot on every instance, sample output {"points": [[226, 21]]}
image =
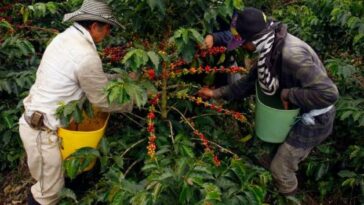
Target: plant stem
{"points": [[182, 85], [164, 91], [223, 149], [130, 118], [131, 147], [171, 129], [184, 118], [55, 31], [204, 115], [131, 166], [135, 115]]}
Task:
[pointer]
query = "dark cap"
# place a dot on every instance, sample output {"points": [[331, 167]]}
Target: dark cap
{"points": [[250, 22], [245, 25]]}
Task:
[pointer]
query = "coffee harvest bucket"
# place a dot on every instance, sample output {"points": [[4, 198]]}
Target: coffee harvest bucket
{"points": [[272, 121], [86, 134]]}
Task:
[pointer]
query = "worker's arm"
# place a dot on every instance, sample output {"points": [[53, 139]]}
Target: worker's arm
{"points": [[92, 81]]}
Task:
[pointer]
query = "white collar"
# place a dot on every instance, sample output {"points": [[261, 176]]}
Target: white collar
{"points": [[85, 33]]}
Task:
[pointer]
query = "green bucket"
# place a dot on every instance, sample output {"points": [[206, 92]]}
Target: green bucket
{"points": [[272, 121]]}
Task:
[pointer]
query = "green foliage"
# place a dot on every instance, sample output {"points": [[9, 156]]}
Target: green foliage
{"points": [[356, 156], [180, 176], [303, 22], [38, 10], [157, 19], [6, 26], [349, 15], [343, 70], [352, 176], [186, 40], [323, 22], [10, 141], [23, 38], [69, 196], [79, 160], [74, 111], [135, 58], [123, 90], [15, 48], [350, 109], [16, 82]]}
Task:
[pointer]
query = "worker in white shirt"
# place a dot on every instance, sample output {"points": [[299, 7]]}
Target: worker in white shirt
{"points": [[69, 70]]}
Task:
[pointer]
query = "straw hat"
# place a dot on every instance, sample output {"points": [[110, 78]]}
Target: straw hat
{"points": [[96, 10]]}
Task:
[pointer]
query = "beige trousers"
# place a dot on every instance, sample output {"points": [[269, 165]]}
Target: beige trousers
{"points": [[284, 166], [44, 162]]}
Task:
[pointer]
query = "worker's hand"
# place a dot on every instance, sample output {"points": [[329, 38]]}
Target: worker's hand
{"points": [[208, 42], [284, 98], [206, 93]]}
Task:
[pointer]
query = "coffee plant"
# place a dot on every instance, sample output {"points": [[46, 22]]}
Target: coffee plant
{"points": [[176, 148]]}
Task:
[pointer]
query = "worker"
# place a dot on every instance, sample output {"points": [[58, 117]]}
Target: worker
{"points": [[290, 69], [69, 70]]}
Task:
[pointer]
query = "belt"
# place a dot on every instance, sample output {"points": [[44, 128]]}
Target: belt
{"points": [[41, 128], [308, 118]]}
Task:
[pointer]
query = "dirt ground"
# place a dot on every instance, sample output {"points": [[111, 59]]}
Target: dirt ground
{"points": [[14, 185]]}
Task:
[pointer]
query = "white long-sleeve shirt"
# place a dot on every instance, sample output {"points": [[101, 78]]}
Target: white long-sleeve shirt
{"points": [[70, 68]]}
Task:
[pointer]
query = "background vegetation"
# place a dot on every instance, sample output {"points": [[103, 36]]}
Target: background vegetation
{"points": [[203, 155]]}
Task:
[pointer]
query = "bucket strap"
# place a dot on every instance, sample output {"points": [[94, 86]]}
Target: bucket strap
{"points": [[39, 147], [308, 118]]}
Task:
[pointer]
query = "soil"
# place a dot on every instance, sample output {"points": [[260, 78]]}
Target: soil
{"points": [[15, 184]]}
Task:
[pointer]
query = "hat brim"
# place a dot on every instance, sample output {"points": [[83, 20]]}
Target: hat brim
{"points": [[234, 43], [77, 16]]}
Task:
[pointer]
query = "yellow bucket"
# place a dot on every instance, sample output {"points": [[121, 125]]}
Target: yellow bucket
{"points": [[86, 134]]}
